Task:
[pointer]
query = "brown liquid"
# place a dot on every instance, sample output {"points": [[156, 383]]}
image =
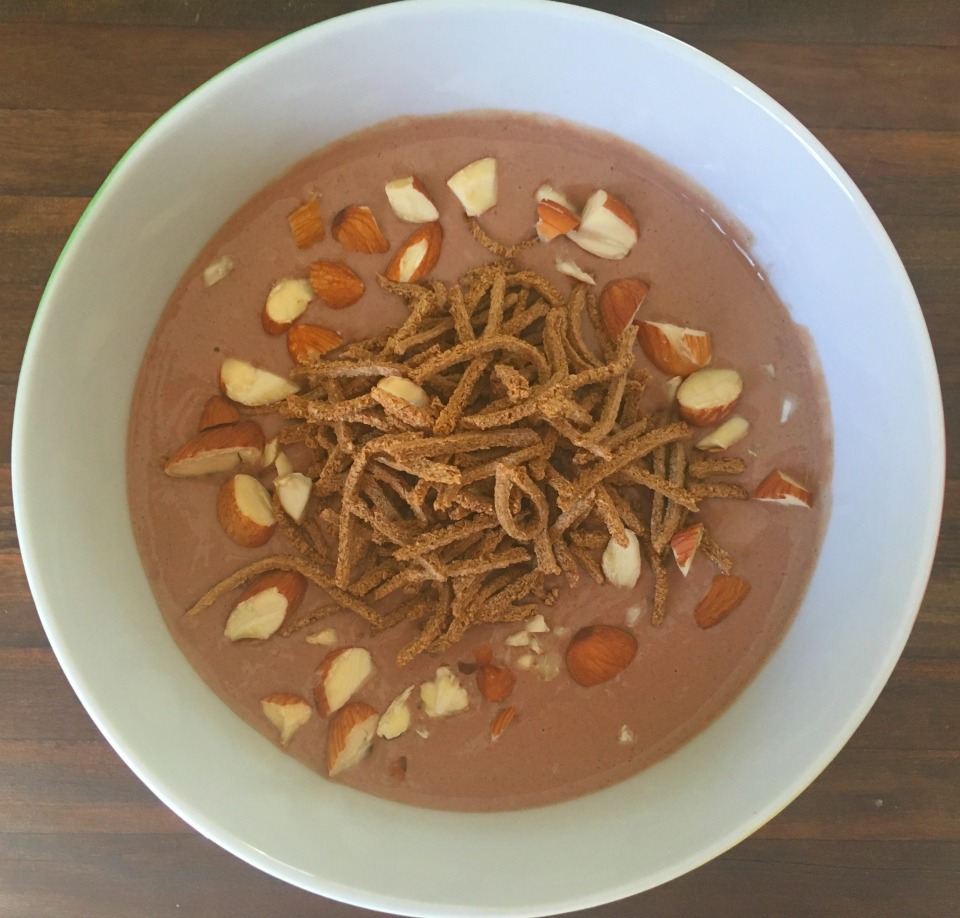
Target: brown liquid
{"points": [[565, 739]]}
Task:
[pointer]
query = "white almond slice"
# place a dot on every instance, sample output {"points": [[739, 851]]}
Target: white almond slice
{"points": [[326, 638], [286, 302], [525, 662], [780, 488], [607, 227], [535, 644], [341, 674], [217, 270], [406, 389], [549, 193], [287, 712], [633, 615], [731, 431], [294, 490], [219, 449], [245, 512], [395, 721], [350, 736], [264, 605], [520, 639], [626, 736], [536, 625], [444, 696], [475, 185], [270, 451], [621, 564], [708, 395], [410, 201], [282, 464], [572, 269], [249, 385]]}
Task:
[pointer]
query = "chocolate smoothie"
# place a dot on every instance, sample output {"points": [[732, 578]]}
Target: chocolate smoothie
{"points": [[566, 739]]}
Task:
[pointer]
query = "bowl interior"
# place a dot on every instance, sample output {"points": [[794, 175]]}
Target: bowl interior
{"points": [[823, 250]]}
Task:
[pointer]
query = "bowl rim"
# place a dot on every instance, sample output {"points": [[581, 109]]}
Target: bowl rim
{"points": [[33, 563]]}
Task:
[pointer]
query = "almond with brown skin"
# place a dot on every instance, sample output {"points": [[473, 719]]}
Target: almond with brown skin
{"points": [[554, 219], [708, 395], [726, 592], [245, 512], [220, 449], [350, 735], [417, 256], [780, 488], [336, 284], [676, 350], [495, 682], [217, 412], [264, 605], [287, 712], [306, 224], [598, 653], [619, 302], [684, 545], [504, 718], [304, 342], [608, 228], [341, 674], [357, 230]]}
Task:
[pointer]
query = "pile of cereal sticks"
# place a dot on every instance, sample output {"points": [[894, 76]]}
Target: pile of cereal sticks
{"points": [[532, 452]]}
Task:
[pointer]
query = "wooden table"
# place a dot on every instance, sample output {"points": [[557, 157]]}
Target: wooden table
{"points": [[878, 81]]}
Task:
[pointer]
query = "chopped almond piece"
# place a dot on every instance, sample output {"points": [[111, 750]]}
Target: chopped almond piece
{"points": [[245, 512], [685, 544], [287, 712], [444, 696], [304, 342], [673, 349], [341, 674], [621, 563], [410, 201], [248, 385], [572, 269], [504, 718], [731, 431], [217, 270], [726, 592], [475, 185], [336, 284], [607, 228], [598, 653], [780, 488], [556, 216], [294, 490], [306, 224], [707, 395], [286, 302], [219, 449], [350, 735], [396, 719], [216, 412], [357, 230], [620, 301], [495, 682], [264, 604], [417, 256]]}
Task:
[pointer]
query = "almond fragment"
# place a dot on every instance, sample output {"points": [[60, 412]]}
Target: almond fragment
{"points": [[341, 673], [675, 350], [217, 270], [294, 490], [219, 449], [271, 449], [286, 302], [398, 768], [357, 230], [621, 563], [619, 302], [336, 284], [726, 592], [326, 638], [304, 342], [707, 395], [556, 216], [670, 388], [350, 735], [780, 488], [598, 653], [547, 666], [572, 269], [244, 511], [287, 712], [417, 256], [216, 412], [396, 719], [495, 682], [281, 462], [731, 431], [306, 224], [685, 544], [536, 625], [251, 386], [607, 228], [504, 718], [264, 604], [405, 389], [475, 185], [410, 201], [445, 695]]}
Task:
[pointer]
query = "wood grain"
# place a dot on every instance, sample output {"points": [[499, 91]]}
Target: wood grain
{"points": [[877, 834]]}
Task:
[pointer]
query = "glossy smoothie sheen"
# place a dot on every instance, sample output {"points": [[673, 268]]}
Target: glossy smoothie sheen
{"points": [[566, 740]]}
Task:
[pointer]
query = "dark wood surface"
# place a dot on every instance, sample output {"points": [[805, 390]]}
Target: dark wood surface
{"points": [[878, 81]]}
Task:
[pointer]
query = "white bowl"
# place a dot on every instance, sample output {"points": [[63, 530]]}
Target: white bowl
{"points": [[825, 253]]}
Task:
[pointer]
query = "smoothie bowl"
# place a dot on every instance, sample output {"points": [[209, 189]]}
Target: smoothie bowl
{"points": [[619, 730]]}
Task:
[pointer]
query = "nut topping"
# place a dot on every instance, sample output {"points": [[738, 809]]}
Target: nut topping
{"points": [[599, 653]]}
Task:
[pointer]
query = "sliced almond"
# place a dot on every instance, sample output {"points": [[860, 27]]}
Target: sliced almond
{"points": [[325, 638], [271, 449], [336, 284], [350, 735], [504, 718], [306, 224], [244, 511], [475, 185], [340, 674], [706, 396], [607, 228], [620, 301], [598, 653], [621, 563], [626, 736], [396, 719], [286, 302], [216, 412], [405, 389], [281, 462], [264, 604], [220, 449], [305, 342], [410, 201], [556, 216], [780, 488], [675, 350], [217, 270], [294, 490], [444, 696], [536, 625], [357, 230], [572, 269], [287, 712], [731, 431], [726, 592], [417, 256], [495, 682], [684, 545], [249, 385]]}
